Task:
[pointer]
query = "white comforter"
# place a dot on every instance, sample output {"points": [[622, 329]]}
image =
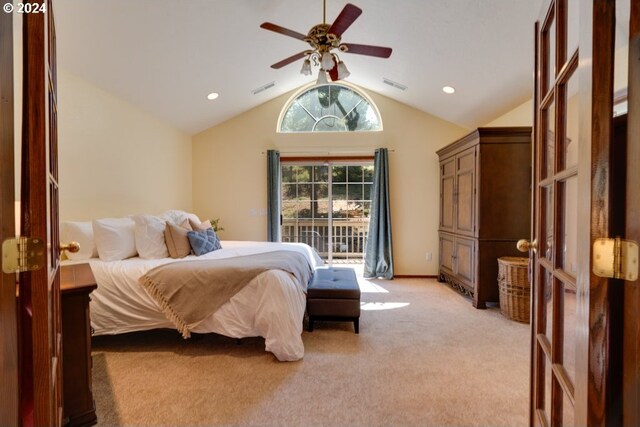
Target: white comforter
{"points": [[271, 306]]}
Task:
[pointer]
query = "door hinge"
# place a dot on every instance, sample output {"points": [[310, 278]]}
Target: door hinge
{"points": [[615, 258], [22, 254]]}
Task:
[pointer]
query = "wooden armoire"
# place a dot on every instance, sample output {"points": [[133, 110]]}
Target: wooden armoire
{"points": [[485, 207]]}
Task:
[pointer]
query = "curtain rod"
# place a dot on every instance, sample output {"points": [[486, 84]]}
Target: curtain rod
{"points": [[329, 153]]}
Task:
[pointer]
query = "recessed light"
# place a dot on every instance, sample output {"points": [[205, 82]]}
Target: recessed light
{"points": [[448, 90], [212, 96]]}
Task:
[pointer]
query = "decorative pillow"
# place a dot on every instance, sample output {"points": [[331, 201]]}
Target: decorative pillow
{"points": [[200, 226], [149, 235], [203, 242], [115, 238], [81, 232], [178, 217], [176, 238]]}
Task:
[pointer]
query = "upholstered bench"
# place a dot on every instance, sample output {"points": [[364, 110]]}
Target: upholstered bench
{"points": [[334, 294]]}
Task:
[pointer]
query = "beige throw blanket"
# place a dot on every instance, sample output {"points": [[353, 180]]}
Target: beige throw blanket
{"points": [[190, 291]]}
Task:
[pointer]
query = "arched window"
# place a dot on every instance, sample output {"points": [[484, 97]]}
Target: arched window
{"points": [[334, 107]]}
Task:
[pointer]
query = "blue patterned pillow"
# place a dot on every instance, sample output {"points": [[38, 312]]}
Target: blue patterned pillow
{"points": [[203, 242]]}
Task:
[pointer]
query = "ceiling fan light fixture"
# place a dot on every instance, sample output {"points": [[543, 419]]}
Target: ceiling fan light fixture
{"points": [[343, 72], [327, 61], [322, 77], [325, 38], [306, 67]]}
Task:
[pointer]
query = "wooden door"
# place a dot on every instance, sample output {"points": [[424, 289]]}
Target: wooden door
{"points": [[631, 321], [447, 252], [447, 197], [556, 178], [465, 262], [465, 192], [579, 183], [39, 301], [8, 318]]}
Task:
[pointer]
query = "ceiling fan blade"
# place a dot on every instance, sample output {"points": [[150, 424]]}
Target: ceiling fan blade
{"points": [[365, 49], [349, 14], [333, 73], [289, 60], [281, 30]]}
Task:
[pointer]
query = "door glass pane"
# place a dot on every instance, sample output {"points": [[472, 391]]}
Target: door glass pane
{"points": [[571, 142], [573, 26], [366, 210], [288, 175], [339, 192], [339, 173], [569, 205], [321, 209], [539, 372], [354, 173], [548, 380], [548, 304], [367, 191], [367, 173], [321, 173], [621, 64], [304, 191], [304, 208], [354, 193], [569, 326], [303, 173], [550, 47], [546, 204], [567, 412], [549, 140], [320, 191], [289, 209]]}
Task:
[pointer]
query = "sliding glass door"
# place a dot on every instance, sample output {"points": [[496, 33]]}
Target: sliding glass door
{"points": [[305, 205], [327, 206]]}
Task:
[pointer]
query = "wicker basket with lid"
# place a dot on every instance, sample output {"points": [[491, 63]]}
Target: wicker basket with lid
{"points": [[513, 282]]}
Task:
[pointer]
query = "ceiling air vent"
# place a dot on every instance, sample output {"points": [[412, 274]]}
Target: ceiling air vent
{"points": [[394, 84], [263, 88]]}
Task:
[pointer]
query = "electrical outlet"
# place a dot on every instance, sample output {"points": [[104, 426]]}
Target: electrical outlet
{"points": [[428, 256]]}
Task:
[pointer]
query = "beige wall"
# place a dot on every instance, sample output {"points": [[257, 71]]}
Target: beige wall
{"points": [[522, 115], [116, 159], [229, 172]]}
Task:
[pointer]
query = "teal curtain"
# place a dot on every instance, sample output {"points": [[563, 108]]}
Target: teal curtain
{"points": [[273, 196], [378, 254]]}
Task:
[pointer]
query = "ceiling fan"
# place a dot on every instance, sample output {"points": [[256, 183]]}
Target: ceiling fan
{"points": [[323, 39]]}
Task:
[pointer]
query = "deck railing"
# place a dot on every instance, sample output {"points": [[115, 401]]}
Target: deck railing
{"points": [[348, 236]]}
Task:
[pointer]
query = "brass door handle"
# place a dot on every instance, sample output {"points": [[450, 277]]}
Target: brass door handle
{"points": [[524, 245], [72, 247]]}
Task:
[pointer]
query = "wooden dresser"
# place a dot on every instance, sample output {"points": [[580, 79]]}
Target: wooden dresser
{"points": [[485, 207], [76, 283]]}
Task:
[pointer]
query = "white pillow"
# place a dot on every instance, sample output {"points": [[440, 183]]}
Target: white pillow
{"points": [[178, 217], [149, 235], [81, 232], [115, 238]]}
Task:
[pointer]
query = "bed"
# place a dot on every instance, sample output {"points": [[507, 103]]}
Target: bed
{"points": [[271, 305]]}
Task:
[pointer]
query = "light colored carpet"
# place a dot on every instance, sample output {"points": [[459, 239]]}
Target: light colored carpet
{"points": [[424, 357]]}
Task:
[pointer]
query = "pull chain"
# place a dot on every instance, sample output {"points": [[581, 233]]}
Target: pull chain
{"points": [[324, 11]]}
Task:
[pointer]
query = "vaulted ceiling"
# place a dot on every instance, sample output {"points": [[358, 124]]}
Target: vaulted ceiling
{"points": [[165, 56]]}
